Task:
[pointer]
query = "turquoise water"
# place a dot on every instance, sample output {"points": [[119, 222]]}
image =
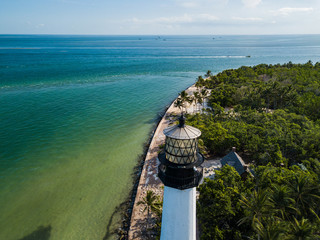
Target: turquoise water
{"points": [[76, 110]]}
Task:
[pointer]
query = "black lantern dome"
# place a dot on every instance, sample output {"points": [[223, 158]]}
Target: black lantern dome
{"points": [[180, 162]]}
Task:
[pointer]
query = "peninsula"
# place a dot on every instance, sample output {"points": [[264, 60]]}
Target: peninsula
{"points": [[270, 113]]}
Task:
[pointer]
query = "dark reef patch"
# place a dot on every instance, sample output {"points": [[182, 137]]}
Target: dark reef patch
{"points": [[42, 233]]}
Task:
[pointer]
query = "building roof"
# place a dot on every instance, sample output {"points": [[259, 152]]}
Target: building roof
{"points": [[185, 132], [234, 160]]}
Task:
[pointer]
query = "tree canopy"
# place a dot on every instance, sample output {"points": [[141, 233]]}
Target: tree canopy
{"points": [[270, 113]]}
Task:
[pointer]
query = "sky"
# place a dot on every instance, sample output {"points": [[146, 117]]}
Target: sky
{"points": [[160, 17]]}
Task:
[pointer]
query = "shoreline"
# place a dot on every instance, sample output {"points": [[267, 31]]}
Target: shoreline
{"points": [[127, 206], [148, 179]]}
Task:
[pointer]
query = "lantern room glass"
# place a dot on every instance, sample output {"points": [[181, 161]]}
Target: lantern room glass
{"points": [[181, 151]]}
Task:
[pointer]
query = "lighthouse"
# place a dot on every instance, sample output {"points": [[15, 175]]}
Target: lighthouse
{"points": [[181, 172]]}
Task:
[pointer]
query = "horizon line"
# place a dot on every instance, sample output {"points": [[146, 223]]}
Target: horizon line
{"points": [[89, 34]]}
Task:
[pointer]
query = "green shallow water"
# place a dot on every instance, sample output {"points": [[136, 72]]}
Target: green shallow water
{"points": [[75, 112], [77, 196], [69, 154], [67, 178]]}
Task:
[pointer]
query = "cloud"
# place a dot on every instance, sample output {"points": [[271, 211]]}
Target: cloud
{"points": [[181, 19], [251, 3], [202, 4], [249, 19], [288, 10], [38, 25], [188, 4]]}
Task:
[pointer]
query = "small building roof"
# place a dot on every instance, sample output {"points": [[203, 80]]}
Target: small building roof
{"points": [[234, 160], [302, 166], [185, 132]]}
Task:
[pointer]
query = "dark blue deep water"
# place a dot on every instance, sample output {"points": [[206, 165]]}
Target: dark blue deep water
{"points": [[76, 110]]}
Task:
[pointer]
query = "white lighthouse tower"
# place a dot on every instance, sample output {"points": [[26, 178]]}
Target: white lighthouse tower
{"points": [[181, 173]]}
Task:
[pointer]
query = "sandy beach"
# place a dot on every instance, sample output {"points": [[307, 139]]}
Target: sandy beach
{"points": [[149, 176]]}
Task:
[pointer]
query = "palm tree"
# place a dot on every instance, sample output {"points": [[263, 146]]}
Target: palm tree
{"points": [[204, 93], [189, 100], [200, 99], [185, 98], [281, 202], [151, 203], [305, 194], [256, 207], [208, 74], [195, 98], [178, 103], [271, 230], [183, 94], [200, 82], [300, 230]]}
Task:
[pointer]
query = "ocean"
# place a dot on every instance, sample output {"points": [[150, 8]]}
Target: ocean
{"points": [[75, 112]]}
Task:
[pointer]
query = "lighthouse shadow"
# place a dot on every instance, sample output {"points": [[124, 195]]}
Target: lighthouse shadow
{"points": [[42, 233]]}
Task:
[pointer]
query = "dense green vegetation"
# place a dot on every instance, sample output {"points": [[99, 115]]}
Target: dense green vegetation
{"points": [[295, 87], [271, 114]]}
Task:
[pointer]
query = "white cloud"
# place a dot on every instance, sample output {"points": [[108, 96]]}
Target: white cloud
{"points": [[38, 25], [202, 4], [189, 4], [251, 3], [181, 19], [134, 20], [249, 19], [206, 17], [288, 10]]}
